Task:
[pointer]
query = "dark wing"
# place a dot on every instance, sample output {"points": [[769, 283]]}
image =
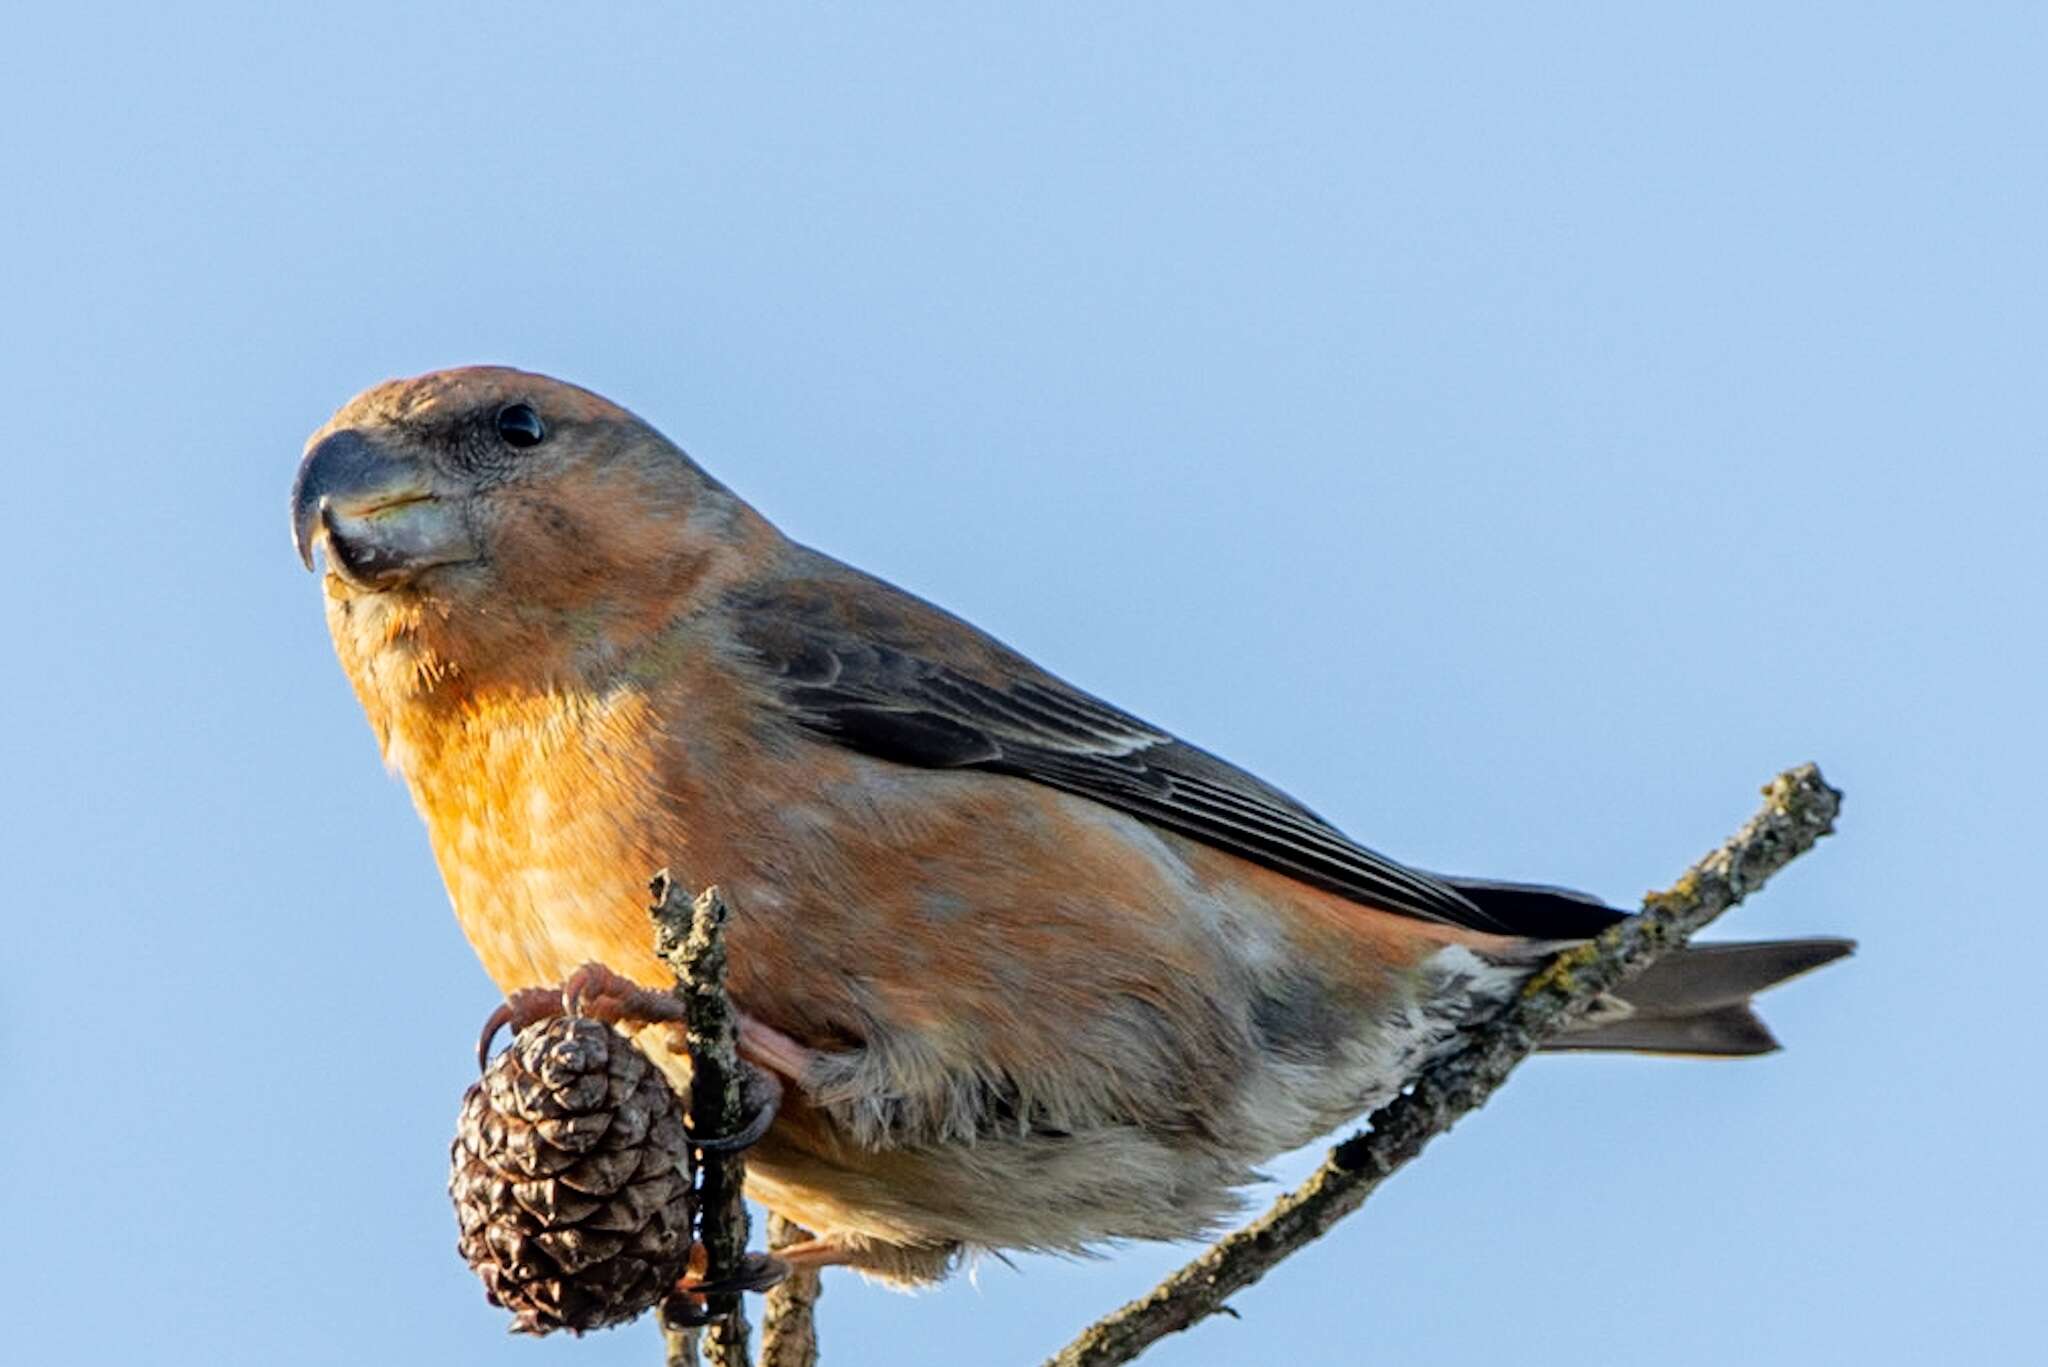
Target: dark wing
{"points": [[890, 675]]}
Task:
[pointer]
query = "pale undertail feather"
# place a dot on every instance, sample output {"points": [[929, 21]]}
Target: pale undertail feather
{"points": [[1697, 1001]]}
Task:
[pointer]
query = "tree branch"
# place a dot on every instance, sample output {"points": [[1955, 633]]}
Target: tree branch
{"points": [[692, 941], [678, 1343], [789, 1330], [1799, 809]]}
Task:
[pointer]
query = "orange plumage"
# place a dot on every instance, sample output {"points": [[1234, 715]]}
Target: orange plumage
{"points": [[1051, 976]]}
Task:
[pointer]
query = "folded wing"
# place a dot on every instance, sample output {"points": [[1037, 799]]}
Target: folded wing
{"points": [[887, 674]]}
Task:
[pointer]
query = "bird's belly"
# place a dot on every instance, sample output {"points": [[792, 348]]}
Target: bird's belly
{"points": [[541, 887], [1042, 1023]]}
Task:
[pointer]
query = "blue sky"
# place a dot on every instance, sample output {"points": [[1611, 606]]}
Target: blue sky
{"points": [[1517, 433]]}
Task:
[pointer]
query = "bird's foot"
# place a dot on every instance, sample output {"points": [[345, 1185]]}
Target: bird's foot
{"points": [[686, 1306], [597, 993], [593, 992]]}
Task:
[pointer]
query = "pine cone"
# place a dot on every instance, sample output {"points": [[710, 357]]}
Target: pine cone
{"points": [[571, 1177]]}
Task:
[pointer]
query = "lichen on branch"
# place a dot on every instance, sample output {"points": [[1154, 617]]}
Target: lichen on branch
{"points": [[1799, 808], [689, 935]]}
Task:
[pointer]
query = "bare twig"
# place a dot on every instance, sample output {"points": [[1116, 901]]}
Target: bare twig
{"points": [[679, 1344], [692, 940], [789, 1330], [1799, 809]]}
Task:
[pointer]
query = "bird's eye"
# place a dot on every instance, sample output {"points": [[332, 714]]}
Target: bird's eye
{"points": [[520, 426]]}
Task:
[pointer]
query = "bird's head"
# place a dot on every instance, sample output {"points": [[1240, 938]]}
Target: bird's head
{"points": [[486, 525]]}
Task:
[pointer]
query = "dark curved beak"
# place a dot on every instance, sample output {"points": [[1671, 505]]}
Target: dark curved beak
{"points": [[346, 469], [376, 511]]}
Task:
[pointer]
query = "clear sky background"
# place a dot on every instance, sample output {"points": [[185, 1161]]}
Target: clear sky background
{"points": [[1518, 432]]}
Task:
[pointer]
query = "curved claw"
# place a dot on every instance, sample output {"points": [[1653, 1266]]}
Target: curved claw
{"points": [[765, 1093], [519, 1010], [756, 1272], [493, 1023], [684, 1310], [687, 1305]]}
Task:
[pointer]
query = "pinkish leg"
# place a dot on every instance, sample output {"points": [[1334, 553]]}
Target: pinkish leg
{"points": [[597, 993], [813, 1253], [773, 1050]]}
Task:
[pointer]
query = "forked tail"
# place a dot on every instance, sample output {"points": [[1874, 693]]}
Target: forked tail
{"points": [[1697, 1001]]}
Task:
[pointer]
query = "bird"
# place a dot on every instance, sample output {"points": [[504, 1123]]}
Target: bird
{"points": [[1032, 973]]}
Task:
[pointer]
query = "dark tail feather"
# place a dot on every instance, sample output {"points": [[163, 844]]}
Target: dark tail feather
{"points": [[1697, 1000], [1724, 1032]]}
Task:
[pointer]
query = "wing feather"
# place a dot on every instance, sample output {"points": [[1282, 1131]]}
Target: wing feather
{"points": [[885, 673]]}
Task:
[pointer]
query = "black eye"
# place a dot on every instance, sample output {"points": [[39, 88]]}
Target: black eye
{"points": [[520, 426]]}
